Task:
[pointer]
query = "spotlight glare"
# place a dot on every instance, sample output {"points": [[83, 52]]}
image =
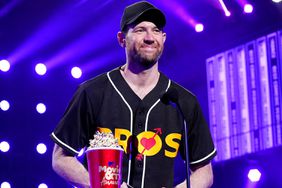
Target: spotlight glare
{"points": [[5, 185], [248, 8], [42, 185], [226, 11], [277, 1], [41, 148], [4, 146], [41, 108], [254, 175], [40, 69], [4, 65], [199, 27], [4, 105], [76, 72]]}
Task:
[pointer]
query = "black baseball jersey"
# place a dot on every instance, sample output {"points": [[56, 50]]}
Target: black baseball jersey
{"points": [[149, 130]]}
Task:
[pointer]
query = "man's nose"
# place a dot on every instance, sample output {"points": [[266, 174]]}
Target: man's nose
{"points": [[149, 39]]}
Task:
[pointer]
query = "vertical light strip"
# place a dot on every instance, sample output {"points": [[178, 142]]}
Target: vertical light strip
{"points": [[131, 122]]}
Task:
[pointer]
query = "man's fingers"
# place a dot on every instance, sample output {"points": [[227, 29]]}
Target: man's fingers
{"points": [[123, 185]]}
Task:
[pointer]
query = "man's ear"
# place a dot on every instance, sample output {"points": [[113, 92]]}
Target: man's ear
{"points": [[164, 37], [121, 39]]}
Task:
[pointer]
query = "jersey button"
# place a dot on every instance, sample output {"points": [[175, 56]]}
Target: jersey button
{"points": [[140, 164], [140, 125], [141, 111]]}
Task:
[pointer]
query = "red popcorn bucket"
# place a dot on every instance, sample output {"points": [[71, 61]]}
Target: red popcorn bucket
{"points": [[105, 167]]}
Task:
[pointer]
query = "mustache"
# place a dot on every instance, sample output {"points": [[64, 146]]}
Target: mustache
{"points": [[149, 45]]}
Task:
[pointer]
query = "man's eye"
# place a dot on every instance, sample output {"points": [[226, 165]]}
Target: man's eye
{"points": [[139, 30], [157, 30]]}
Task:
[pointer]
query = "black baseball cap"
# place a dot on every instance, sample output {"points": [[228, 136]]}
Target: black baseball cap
{"points": [[142, 11]]}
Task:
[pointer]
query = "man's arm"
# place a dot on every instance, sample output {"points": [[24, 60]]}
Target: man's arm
{"points": [[200, 178], [69, 168]]}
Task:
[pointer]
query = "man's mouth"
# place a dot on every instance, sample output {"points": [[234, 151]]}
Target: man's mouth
{"points": [[148, 48]]}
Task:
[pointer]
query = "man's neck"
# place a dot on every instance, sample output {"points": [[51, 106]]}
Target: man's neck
{"points": [[141, 81]]}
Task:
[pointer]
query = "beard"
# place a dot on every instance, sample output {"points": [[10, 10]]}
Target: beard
{"points": [[146, 60]]}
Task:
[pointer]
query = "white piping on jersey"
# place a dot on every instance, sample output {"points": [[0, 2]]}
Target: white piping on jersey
{"points": [[146, 128], [131, 127], [204, 158], [54, 136], [131, 123]]}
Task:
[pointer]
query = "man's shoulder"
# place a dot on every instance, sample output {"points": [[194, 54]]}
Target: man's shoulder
{"points": [[100, 81], [96, 81], [182, 90]]}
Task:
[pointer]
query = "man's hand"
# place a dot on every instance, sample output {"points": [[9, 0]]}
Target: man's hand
{"points": [[181, 185], [123, 185]]}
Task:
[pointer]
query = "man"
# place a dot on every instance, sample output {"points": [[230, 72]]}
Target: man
{"points": [[127, 102]]}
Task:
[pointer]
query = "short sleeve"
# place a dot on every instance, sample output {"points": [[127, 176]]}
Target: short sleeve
{"points": [[200, 143], [72, 132]]}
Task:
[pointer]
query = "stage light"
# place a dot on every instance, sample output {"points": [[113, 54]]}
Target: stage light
{"points": [[5, 185], [227, 13], [224, 8], [41, 108], [41, 148], [76, 72], [254, 175], [4, 65], [4, 146], [42, 185], [248, 8], [199, 27], [277, 1], [40, 69], [4, 105]]}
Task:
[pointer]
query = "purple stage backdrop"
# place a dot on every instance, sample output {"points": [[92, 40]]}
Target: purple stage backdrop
{"points": [[47, 48]]}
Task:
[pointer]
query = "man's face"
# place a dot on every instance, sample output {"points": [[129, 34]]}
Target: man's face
{"points": [[144, 43]]}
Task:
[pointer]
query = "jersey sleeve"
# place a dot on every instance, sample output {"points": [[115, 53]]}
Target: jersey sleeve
{"points": [[200, 143], [72, 131]]}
